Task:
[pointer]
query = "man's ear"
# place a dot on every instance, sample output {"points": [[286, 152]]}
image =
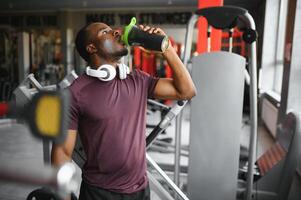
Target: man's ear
{"points": [[91, 49]]}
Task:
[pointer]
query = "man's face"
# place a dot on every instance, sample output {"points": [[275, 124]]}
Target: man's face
{"points": [[106, 41]]}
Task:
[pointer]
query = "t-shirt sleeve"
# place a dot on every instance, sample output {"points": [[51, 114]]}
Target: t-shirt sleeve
{"points": [[73, 112], [150, 82]]}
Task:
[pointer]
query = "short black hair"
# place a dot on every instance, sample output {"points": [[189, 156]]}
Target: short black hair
{"points": [[81, 41]]}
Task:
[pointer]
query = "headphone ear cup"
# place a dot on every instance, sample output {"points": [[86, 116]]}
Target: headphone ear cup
{"points": [[127, 69], [111, 72], [123, 71]]}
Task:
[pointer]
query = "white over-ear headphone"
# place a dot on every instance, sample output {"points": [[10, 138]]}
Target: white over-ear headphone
{"points": [[107, 72]]}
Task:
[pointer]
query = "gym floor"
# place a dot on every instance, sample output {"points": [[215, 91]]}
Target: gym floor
{"points": [[20, 148]]}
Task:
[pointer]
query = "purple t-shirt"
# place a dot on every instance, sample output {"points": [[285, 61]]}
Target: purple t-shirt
{"points": [[111, 120]]}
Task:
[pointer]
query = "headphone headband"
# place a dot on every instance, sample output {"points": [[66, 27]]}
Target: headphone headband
{"points": [[107, 72], [97, 73]]}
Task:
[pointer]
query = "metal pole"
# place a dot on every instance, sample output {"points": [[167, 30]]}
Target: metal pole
{"points": [[188, 38], [178, 149], [168, 180], [34, 82], [231, 40], [187, 53], [46, 152], [173, 112], [166, 150], [161, 105], [209, 38], [62, 179], [157, 187], [253, 103]]}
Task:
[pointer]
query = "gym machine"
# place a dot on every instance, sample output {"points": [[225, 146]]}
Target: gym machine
{"points": [[23, 93], [216, 119], [216, 115], [36, 114], [278, 165], [211, 111]]}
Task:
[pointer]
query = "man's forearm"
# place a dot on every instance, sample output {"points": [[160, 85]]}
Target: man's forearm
{"points": [[62, 153], [181, 77]]}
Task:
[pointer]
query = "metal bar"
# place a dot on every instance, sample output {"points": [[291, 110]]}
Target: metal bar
{"points": [[231, 40], [161, 105], [74, 74], [168, 180], [177, 158], [34, 82], [158, 188], [173, 112], [62, 179], [247, 77], [188, 39], [50, 87], [162, 143], [46, 152], [187, 54], [166, 150], [159, 142], [261, 194], [209, 38], [152, 136], [253, 102]]}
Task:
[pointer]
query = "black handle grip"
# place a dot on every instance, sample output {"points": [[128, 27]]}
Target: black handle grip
{"points": [[222, 17], [152, 136]]}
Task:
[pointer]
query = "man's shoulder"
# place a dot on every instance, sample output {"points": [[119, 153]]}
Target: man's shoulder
{"points": [[79, 83], [138, 72]]}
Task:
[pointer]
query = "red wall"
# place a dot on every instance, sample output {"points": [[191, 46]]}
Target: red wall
{"points": [[216, 35]]}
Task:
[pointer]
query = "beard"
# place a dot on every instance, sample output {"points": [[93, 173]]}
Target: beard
{"points": [[110, 50], [118, 54]]}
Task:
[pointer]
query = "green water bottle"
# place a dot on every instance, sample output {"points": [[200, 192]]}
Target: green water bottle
{"points": [[134, 36]]}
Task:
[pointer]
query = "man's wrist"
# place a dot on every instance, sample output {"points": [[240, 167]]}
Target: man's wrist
{"points": [[168, 51]]}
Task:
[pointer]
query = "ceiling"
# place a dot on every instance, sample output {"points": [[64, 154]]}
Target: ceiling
{"points": [[54, 5]]}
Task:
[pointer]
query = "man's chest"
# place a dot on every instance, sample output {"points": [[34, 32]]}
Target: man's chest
{"points": [[111, 102]]}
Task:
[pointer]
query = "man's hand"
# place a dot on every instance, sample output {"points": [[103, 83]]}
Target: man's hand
{"points": [[154, 30], [181, 86]]}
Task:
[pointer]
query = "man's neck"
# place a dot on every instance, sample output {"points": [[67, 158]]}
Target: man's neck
{"points": [[95, 64]]}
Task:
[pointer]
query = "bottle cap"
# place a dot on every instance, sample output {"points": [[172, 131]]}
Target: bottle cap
{"points": [[164, 44], [127, 30]]}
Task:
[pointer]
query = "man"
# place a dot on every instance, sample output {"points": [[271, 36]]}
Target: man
{"points": [[110, 116]]}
